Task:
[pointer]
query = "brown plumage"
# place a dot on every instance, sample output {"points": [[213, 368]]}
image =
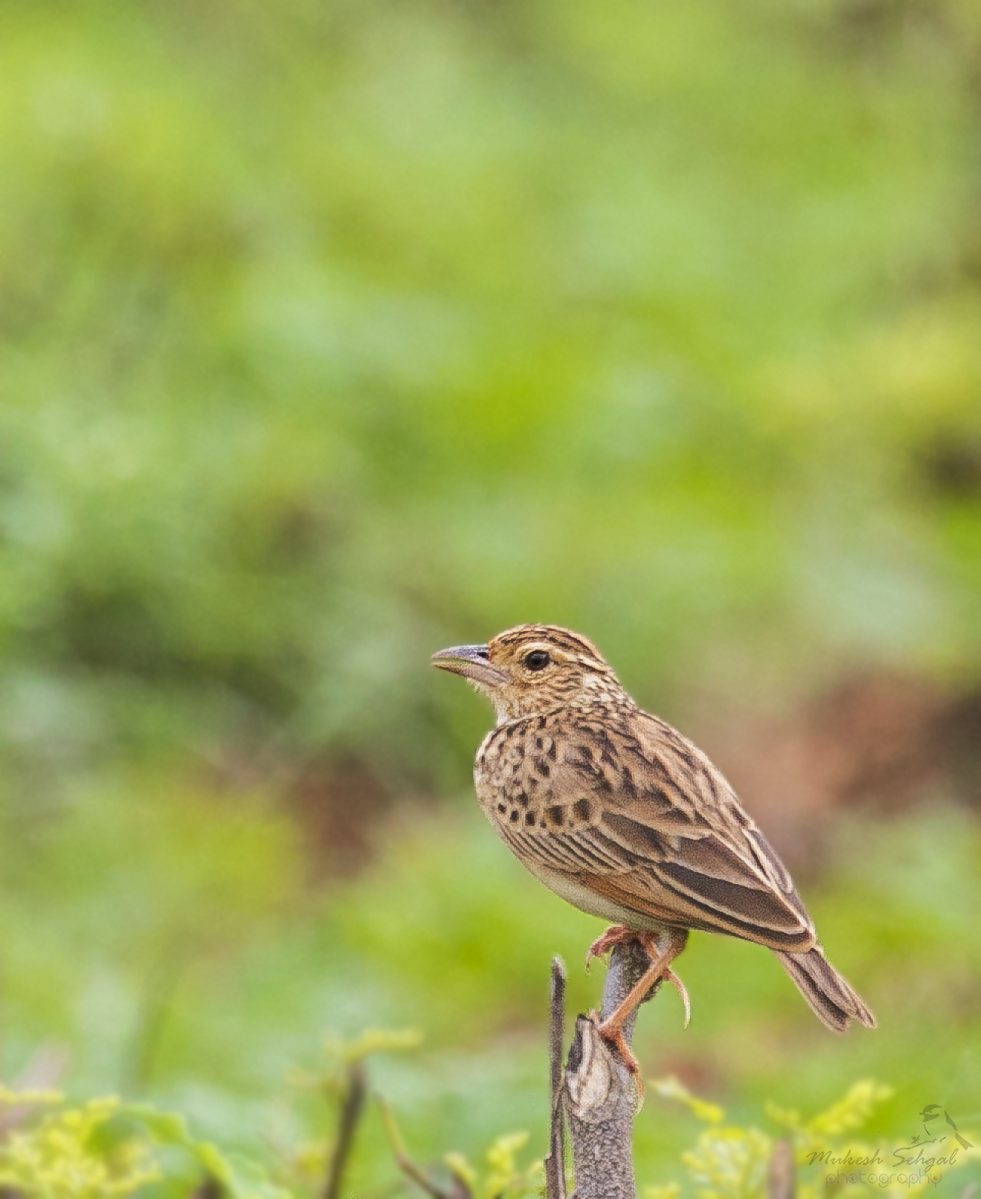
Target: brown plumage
{"points": [[625, 818]]}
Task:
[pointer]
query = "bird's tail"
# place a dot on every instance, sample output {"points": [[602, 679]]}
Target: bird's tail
{"points": [[831, 999]]}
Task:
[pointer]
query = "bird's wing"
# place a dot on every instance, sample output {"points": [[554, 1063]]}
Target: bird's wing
{"points": [[639, 815]]}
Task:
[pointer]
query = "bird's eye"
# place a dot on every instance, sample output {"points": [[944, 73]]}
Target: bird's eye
{"points": [[538, 659]]}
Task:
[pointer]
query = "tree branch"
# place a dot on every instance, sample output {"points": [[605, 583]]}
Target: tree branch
{"points": [[351, 1108], [601, 1096], [555, 1160], [782, 1180], [408, 1167]]}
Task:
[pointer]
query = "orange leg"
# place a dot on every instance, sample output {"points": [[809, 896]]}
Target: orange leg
{"points": [[611, 1028]]}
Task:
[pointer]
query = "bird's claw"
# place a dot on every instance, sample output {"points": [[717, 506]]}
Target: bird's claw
{"points": [[616, 934], [615, 1038], [675, 981]]}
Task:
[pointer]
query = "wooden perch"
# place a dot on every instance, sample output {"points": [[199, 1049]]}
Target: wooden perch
{"points": [[601, 1095]]}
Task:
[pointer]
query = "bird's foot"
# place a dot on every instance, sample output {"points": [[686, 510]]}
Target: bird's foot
{"points": [[616, 934], [675, 981], [612, 1033]]}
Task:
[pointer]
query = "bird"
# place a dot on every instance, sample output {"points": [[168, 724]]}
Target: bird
{"points": [[621, 815]]}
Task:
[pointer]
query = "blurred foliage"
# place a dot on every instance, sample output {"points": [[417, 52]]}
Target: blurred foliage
{"points": [[207, 995], [502, 1178], [734, 1163], [105, 1149], [334, 332], [65, 1157]]}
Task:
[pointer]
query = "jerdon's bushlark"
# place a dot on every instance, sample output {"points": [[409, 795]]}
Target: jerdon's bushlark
{"points": [[626, 819]]}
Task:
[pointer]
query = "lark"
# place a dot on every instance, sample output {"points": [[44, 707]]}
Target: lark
{"points": [[626, 819]]}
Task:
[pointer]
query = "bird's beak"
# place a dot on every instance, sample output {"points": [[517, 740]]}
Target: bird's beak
{"points": [[472, 661]]}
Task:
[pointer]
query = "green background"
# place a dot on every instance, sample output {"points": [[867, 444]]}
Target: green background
{"points": [[334, 333]]}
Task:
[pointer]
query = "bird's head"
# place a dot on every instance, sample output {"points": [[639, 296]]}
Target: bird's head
{"points": [[534, 668]]}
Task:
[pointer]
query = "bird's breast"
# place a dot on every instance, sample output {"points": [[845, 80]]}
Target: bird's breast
{"points": [[521, 752]]}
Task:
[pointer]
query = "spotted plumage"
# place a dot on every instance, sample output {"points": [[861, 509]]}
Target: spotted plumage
{"points": [[624, 817]]}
